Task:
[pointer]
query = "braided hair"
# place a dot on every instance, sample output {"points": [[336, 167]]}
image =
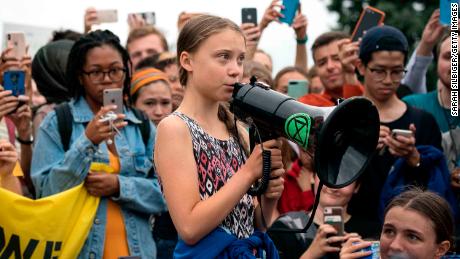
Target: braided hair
{"points": [[77, 59]]}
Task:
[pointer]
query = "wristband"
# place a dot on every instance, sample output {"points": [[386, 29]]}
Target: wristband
{"points": [[302, 41], [25, 142]]}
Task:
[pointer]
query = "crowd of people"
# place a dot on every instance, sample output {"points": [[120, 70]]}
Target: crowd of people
{"points": [[182, 166]]}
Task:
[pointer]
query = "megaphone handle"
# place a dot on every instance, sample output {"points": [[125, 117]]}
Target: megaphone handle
{"points": [[261, 186]]}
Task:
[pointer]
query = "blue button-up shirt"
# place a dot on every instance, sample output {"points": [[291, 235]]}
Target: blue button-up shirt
{"points": [[54, 171]]}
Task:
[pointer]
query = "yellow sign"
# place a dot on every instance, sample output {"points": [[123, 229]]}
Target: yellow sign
{"points": [[51, 227]]}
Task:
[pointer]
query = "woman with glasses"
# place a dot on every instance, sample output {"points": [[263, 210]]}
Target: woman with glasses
{"points": [[131, 192]]}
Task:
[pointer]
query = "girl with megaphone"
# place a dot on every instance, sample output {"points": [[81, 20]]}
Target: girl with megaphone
{"points": [[199, 153]]}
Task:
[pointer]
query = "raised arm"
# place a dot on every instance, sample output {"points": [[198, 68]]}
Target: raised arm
{"points": [[420, 60]]}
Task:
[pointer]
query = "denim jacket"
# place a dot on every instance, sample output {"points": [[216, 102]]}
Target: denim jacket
{"points": [[54, 171]]}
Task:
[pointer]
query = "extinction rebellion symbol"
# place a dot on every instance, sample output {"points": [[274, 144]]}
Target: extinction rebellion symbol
{"points": [[297, 128]]}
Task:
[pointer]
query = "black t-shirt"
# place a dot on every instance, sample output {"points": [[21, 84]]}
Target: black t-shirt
{"points": [[366, 202]]}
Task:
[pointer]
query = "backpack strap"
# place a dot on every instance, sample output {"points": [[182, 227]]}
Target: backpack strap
{"points": [[64, 119], [145, 125]]}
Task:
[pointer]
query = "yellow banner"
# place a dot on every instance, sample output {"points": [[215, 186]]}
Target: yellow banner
{"points": [[51, 227]]}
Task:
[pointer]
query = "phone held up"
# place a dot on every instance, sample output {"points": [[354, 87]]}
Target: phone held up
{"points": [[114, 97], [107, 16], [14, 80], [249, 15], [148, 17], [290, 8], [370, 17], [17, 41], [297, 88]]}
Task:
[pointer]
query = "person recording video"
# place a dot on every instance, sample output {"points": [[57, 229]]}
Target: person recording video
{"points": [[104, 133]]}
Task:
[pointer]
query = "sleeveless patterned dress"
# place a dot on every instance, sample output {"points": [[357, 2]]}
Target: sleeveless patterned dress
{"points": [[217, 161]]}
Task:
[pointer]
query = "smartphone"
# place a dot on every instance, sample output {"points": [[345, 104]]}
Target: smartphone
{"points": [[249, 15], [114, 96], [14, 80], [148, 17], [445, 11], [333, 216], [401, 132], [374, 248], [290, 8], [17, 41], [107, 16], [297, 88], [370, 17]]}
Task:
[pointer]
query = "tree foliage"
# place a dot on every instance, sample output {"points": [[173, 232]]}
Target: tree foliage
{"points": [[410, 16]]}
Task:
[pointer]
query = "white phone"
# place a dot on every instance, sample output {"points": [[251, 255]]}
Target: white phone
{"points": [[401, 132], [107, 16]]}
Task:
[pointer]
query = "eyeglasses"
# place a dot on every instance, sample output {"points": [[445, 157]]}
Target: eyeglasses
{"points": [[380, 74], [97, 76]]}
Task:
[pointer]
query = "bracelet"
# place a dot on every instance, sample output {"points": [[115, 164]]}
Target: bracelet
{"points": [[25, 142], [302, 41]]}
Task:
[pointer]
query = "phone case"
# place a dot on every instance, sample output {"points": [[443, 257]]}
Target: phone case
{"points": [[333, 217], [114, 96], [370, 17], [290, 8], [249, 15], [14, 81], [17, 41], [297, 88], [444, 9], [107, 16]]}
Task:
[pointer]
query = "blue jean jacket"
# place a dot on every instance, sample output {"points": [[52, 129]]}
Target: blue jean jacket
{"points": [[54, 171]]}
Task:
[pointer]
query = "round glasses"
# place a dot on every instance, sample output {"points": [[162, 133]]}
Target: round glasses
{"points": [[380, 74], [114, 74]]}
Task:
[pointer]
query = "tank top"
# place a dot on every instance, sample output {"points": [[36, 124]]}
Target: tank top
{"points": [[217, 161]]}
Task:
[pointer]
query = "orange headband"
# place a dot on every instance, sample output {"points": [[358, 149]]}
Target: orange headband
{"points": [[146, 76]]}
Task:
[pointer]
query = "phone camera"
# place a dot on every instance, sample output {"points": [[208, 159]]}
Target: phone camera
{"points": [[9, 36]]}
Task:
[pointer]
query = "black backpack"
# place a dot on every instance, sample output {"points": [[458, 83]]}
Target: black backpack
{"points": [[65, 118]]}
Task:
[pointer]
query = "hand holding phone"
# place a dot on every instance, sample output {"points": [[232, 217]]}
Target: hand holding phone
{"points": [[14, 80], [401, 132], [370, 17], [136, 20], [114, 97], [249, 15], [333, 216], [289, 11]]}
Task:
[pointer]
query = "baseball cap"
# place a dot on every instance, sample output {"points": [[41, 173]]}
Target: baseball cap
{"points": [[382, 38]]}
